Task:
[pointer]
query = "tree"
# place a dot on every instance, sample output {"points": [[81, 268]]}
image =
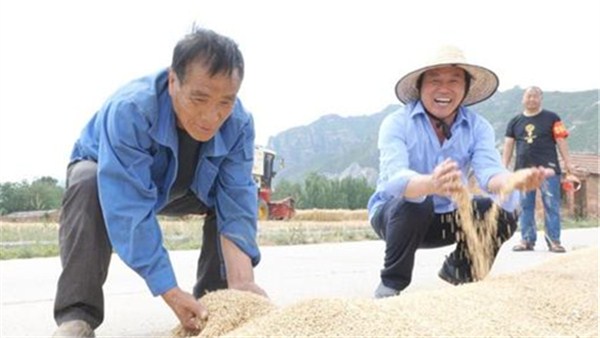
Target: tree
{"points": [[45, 194], [357, 192], [13, 197], [42, 194], [322, 193]]}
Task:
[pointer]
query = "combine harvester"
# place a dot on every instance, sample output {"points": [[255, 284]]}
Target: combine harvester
{"points": [[264, 172]]}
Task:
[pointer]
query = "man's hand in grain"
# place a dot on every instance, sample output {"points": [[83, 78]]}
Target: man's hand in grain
{"points": [[187, 309]]}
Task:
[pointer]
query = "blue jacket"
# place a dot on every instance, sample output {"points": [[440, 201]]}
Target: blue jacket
{"points": [[133, 138], [408, 146]]}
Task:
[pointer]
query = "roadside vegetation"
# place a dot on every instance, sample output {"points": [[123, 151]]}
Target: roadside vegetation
{"points": [[40, 239]]}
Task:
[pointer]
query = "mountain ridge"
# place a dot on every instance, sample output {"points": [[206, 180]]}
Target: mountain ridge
{"points": [[332, 144]]}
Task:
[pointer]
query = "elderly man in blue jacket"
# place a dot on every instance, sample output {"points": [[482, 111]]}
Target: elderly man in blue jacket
{"points": [[176, 142]]}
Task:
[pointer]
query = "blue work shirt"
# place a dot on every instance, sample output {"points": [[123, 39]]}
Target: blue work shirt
{"points": [[133, 138], [409, 146]]}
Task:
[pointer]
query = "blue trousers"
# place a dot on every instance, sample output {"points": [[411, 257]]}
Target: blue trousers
{"points": [[550, 191], [407, 226]]}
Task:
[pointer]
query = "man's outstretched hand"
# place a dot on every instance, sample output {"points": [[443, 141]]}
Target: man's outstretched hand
{"points": [[528, 179]]}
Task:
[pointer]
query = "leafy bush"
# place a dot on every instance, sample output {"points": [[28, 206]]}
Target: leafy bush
{"points": [[322, 193], [42, 194]]}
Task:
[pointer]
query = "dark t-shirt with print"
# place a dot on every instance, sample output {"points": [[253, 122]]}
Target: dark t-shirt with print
{"points": [[534, 140]]}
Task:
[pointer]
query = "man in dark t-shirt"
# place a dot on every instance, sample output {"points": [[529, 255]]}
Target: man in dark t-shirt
{"points": [[536, 133]]}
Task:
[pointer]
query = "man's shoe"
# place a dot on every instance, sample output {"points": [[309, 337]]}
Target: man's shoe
{"points": [[554, 246], [75, 329], [456, 271], [523, 246], [383, 291]]}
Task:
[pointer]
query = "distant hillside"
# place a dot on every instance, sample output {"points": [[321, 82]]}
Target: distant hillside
{"points": [[329, 145], [335, 145]]}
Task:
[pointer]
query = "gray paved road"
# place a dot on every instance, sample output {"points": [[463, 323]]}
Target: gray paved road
{"points": [[287, 273]]}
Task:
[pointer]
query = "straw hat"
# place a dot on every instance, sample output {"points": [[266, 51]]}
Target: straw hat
{"points": [[484, 82]]}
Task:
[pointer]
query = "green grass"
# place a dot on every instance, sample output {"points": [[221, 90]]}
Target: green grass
{"points": [[571, 223], [28, 240], [324, 234]]}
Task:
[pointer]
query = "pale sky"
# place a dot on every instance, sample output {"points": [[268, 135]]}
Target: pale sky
{"points": [[60, 59]]}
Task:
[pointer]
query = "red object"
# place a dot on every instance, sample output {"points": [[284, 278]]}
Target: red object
{"points": [[559, 130], [263, 172], [567, 185], [265, 194], [571, 183]]}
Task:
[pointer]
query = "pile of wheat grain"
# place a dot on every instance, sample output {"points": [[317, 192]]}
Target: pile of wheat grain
{"points": [[228, 309], [559, 298]]}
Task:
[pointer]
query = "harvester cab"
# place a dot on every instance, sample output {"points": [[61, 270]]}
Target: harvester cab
{"points": [[263, 172]]}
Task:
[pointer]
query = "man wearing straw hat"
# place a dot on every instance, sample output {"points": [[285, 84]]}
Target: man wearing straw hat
{"points": [[427, 149]]}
